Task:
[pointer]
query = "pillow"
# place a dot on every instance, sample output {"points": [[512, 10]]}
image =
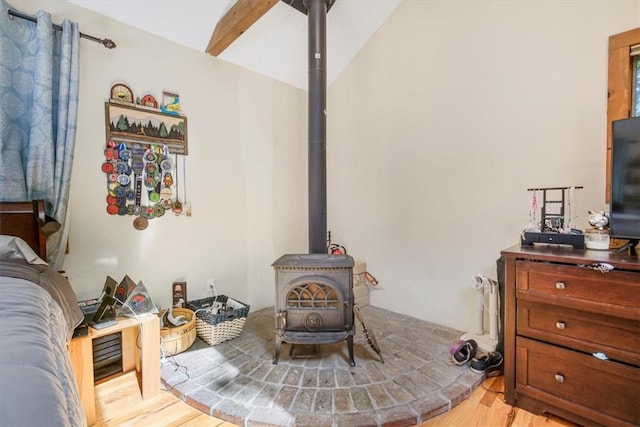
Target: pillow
{"points": [[12, 247]]}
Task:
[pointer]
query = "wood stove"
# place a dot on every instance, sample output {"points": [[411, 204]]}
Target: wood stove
{"points": [[314, 292], [314, 300]]}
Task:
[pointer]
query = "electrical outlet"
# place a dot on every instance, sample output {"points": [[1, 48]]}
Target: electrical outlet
{"points": [[211, 284]]}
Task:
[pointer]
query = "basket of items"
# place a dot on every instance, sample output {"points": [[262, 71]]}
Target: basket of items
{"points": [[178, 331], [219, 318]]}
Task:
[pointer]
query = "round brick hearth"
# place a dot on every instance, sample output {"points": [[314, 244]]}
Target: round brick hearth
{"points": [[236, 381]]}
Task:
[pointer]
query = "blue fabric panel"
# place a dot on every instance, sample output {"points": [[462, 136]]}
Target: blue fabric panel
{"points": [[39, 70]]}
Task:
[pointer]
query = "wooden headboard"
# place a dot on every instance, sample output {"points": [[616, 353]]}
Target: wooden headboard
{"points": [[24, 219]]}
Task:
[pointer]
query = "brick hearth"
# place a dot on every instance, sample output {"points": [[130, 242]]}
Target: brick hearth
{"points": [[237, 382]]}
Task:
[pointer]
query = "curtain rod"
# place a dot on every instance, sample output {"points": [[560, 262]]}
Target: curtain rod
{"points": [[108, 43]]}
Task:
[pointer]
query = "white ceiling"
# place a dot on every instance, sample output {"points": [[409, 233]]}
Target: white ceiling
{"points": [[275, 46]]}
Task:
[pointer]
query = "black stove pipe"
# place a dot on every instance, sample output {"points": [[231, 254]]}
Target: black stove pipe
{"points": [[317, 15]]}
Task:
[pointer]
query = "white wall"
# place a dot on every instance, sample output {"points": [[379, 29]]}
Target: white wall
{"points": [[435, 132], [247, 138], [442, 122]]}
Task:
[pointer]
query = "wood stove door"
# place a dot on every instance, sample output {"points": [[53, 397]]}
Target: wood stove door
{"points": [[313, 304]]}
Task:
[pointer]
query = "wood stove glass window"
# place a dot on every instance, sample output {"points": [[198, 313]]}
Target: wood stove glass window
{"points": [[313, 295]]}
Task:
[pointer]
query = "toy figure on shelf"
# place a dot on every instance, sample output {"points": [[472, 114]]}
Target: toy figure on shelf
{"points": [[598, 219]]}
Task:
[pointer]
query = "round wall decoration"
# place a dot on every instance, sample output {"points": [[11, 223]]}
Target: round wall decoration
{"points": [[121, 92]]}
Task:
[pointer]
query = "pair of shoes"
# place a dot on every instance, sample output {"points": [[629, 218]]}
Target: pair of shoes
{"points": [[463, 351], [486, 362]]}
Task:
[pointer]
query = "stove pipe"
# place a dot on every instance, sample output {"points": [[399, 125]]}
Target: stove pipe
{"points": [[317, 15]]}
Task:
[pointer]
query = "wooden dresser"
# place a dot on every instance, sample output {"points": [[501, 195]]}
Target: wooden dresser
{"points": [[559, 311]]}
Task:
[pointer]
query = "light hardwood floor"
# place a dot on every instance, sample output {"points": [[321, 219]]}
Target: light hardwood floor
{"points": [[118, 403], [486, 407]]}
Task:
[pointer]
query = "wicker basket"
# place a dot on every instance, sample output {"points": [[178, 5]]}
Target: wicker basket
{"points": [[177, 339], [215, 328]]}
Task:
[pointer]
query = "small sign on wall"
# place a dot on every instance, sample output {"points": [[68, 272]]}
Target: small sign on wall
{"points": [[144, 125], [179, 292]]}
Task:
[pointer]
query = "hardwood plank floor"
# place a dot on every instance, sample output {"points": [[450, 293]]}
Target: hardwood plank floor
{"points": [[486, 407], [118, 403]]}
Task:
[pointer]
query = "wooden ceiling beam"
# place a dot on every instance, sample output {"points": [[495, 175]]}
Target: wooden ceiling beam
{"points": [[242, 15]]}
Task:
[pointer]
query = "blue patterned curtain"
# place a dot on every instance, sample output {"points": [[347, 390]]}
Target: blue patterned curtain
{"points": [[38, 113]]}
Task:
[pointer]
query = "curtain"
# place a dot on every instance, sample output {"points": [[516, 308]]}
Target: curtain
{"points": [[39, 68]]}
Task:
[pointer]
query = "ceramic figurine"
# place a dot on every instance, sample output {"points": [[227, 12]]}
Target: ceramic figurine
{"points": [[598, 219]]}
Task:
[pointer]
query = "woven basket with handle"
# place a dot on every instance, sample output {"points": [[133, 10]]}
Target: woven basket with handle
{"points": [[214, 326]]}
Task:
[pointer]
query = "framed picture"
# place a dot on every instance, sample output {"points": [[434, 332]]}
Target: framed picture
{"points": [[146, 126]]}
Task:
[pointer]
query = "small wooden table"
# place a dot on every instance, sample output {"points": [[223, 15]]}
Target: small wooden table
{"points": [[143, 331]]}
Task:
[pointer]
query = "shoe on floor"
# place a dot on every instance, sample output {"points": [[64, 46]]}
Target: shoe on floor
{"points": [[486, 362], [463, 351]]}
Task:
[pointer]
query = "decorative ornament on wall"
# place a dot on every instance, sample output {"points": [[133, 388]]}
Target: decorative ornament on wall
{"points": [[171, 103], [149, 101], [120, 92], [142, 176], [145, 125]]}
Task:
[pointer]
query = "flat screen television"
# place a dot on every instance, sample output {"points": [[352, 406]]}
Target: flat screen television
{"points": [[625, 181]]}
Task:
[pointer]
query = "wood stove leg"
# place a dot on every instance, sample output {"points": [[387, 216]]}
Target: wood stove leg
{"points": [[350, 348], [276, 355]]}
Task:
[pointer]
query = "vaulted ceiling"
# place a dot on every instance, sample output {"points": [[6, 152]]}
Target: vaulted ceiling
{"points": [[274, 45]]}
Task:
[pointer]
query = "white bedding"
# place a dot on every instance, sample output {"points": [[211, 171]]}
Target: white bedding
{"points": [[14, 248], [37, 384]]}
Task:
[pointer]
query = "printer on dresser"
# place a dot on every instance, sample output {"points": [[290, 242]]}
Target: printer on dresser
{"points": [[572, 333]]}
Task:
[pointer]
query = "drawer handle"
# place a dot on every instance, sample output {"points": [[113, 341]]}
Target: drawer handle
{"points": [[560, 285], [560, 378], [561, 325]]}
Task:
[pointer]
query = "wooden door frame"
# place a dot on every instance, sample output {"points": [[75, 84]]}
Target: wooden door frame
{"points": [[619, 94]]}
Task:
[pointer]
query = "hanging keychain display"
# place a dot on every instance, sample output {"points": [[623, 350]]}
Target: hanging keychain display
{"points": [[142, 178], [187, 203], [141, 181], [177, 205], [167, 180]]}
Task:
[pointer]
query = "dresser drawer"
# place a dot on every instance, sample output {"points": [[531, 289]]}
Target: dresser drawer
{"points": [[580, 287], [604, 391], [591, 332]]}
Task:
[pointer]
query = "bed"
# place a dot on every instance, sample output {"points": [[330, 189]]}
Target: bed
{"points": [[38, 313]]}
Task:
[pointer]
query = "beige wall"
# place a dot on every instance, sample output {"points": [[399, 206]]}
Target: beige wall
{"points": [[244, 131], [442, 122], [435, 132]]}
